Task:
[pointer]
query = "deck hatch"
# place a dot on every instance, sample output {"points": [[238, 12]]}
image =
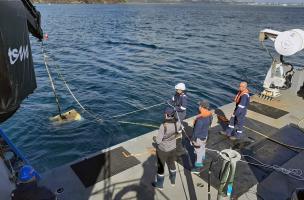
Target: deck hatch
{"points": [[266, 110], [102, 166]]}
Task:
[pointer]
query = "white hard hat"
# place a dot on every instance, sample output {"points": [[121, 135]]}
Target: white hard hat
{"points": [[180, 86]]}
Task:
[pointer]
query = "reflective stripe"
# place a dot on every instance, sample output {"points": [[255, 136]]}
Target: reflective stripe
{"points": [[173, 98], [247, 94], [183, 108], [230, 126], [232, 115], [241, 106], [172, 170], [160, 174], [240, 131]]}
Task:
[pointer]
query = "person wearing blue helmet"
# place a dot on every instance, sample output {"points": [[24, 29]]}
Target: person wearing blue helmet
{"points": [[27, 187]]}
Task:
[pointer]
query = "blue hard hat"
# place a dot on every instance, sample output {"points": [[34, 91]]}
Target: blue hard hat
{"points": [[169, 111], [26, 173]]}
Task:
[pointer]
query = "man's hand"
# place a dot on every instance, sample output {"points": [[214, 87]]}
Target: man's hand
{"points": [[154, 139], [193, 123]]}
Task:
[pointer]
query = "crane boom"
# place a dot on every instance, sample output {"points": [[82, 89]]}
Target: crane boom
{"points": [[17, 75], [33, 19]]}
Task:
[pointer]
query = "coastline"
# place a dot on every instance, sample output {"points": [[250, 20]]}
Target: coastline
{"points": [[78, 1], [248, 3]]}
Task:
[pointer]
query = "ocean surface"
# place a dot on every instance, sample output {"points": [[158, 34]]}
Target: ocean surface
{"points": [[121, 58]]}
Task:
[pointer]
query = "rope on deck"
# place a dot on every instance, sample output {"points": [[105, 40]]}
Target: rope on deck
{"points": [[274, 140], [301, 124], [225, 120], [293, 173]]}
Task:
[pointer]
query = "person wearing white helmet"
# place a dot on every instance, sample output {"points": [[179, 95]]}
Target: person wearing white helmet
{"points": [[179, 101]]}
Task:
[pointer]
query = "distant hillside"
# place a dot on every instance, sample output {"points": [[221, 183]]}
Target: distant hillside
{"points": [[143, 1], [207, 1], [79, 1]]}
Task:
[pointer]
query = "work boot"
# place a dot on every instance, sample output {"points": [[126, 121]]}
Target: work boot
{"points": [[159, 183], [223, 133], [172, 176], [233, 138]]}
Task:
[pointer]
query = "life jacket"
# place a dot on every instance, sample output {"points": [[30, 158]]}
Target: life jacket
{"points": [[203, 113], [237, 98], [201, 124]]}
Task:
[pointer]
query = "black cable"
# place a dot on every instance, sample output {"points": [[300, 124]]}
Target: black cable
{"points": [[52, 82]]}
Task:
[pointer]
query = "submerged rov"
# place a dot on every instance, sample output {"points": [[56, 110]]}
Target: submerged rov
{"points": [[270, 167]]}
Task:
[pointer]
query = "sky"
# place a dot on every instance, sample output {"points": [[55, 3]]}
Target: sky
{"points": [[281, 1]]}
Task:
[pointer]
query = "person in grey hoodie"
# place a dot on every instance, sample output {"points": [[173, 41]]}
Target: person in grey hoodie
{"points": [[166, 148]]}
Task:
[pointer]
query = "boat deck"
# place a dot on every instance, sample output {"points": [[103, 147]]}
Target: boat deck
{"points": [[127, 173]]}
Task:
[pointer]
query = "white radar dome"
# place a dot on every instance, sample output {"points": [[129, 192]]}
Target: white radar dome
{"points": [[290, 42]]}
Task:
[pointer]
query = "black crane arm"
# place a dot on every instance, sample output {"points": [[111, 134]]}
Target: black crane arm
{"points": [[17, 74], [33, 19]]}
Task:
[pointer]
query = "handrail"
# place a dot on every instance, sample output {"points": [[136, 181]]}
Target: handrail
{"points": [[13, 147]]}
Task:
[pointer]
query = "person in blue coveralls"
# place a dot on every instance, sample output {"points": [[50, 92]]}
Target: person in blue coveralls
{"points": [[28, 189], [179, 101], [201, 124], [235, 128]]}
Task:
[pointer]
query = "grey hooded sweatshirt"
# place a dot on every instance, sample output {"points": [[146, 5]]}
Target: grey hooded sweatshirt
{"points": [[166, 137]]}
